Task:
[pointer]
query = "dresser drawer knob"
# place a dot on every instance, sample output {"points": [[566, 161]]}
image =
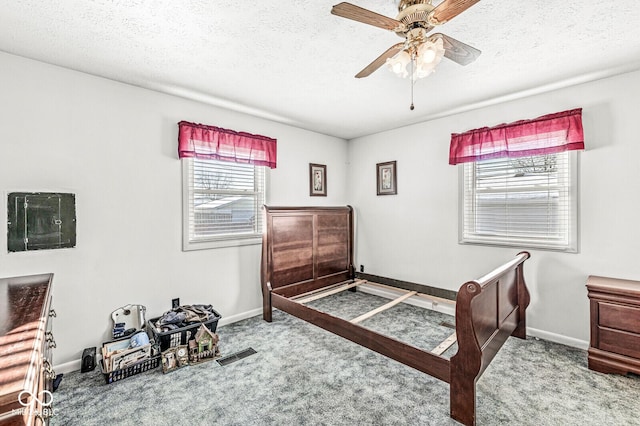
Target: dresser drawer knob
{"points": [[48, 369], [46, 365], [49, 338]]}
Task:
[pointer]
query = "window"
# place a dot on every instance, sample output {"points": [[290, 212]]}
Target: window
{"points": [[223, 177], [525, 201], [519, 182], [222, 203]]}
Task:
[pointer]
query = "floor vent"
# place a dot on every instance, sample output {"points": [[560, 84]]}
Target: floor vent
{"points": [[448, 325], [226, 360]]}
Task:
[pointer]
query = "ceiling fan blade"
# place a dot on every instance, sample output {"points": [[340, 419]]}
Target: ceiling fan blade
{"points": [[380, 60], [456, 50], [357, 13], [448, 10]]}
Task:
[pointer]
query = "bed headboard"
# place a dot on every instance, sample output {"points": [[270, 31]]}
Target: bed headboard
{"points": [[304, 249]]}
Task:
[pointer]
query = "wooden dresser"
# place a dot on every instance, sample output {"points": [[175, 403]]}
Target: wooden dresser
{"points": [[615, 325], [26, 341]]}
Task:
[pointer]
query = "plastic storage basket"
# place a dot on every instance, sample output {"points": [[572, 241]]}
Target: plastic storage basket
{"points": [[139, 367], [180, 336]]}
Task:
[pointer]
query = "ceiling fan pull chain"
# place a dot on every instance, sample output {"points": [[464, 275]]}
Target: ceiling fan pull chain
{"points": [[413, 80], [412, 84]]}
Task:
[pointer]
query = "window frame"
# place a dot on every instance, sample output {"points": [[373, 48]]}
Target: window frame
{"points": [[471, 238], [227, 240]]}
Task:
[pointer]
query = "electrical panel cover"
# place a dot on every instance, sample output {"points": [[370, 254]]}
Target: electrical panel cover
{"points": [[40, 221]]}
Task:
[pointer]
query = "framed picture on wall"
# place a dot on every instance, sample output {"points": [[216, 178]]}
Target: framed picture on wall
{"points": [[317, 180], [386, 178]]}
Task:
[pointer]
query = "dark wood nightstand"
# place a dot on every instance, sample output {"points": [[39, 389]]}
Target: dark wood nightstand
{"points": [[615, 325]]}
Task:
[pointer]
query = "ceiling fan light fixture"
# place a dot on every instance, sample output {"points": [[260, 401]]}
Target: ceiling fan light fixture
{"points": [[431, 52], [428, 56], [398, 63], [425, 58], [423, 71]]}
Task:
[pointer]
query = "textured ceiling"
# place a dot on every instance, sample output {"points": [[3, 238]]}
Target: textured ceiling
{"points": [[294, 62]]}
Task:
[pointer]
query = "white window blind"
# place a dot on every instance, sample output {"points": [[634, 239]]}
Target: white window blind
{"points": [[524, 202], [222, 203]]}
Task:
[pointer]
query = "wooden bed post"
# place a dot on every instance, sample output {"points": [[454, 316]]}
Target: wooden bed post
{"points": [[463, 399], [466, 363], [265, 272], [523, 301], [267, 308]]}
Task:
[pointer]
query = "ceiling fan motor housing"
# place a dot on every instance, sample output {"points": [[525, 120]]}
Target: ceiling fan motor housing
{"points": [[403, 4], [414, 14]]}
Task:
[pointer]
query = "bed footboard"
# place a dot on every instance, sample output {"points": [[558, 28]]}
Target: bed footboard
{"points": [[488, 311]]}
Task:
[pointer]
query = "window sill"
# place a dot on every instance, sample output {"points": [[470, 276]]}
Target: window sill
{"points": [[520, 245], [221, 243]]}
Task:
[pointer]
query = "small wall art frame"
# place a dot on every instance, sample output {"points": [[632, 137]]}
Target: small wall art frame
{"points": [[317, 180], [386, 178]]}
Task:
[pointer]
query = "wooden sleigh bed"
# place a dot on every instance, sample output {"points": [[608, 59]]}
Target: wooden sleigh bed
{"points": [[307, 253]]}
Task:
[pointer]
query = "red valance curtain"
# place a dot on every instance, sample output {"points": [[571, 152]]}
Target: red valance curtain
{"points": [[548, 134], [215, 143]]}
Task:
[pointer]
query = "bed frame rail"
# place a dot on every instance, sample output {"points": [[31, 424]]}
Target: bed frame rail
{"points": [[432, 364]]}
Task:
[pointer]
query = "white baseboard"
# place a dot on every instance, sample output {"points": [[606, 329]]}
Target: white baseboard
{"points": [[557, 338], [239, 317], [68, 367]]}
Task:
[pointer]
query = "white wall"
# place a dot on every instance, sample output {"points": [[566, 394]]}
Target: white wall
{"points": [[115, 147], [413, 235]]}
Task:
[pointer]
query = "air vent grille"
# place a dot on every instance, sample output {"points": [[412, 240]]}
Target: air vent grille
{"points": [[226, 360]]}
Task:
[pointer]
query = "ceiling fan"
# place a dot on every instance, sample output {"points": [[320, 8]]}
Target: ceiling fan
{"points": [[416, 18]]}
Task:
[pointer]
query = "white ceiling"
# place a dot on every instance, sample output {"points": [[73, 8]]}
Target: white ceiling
{"points": [[294, 62]]}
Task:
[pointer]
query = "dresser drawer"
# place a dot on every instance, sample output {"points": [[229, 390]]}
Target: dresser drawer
{"points": [[619, 317], [619, 342]]}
